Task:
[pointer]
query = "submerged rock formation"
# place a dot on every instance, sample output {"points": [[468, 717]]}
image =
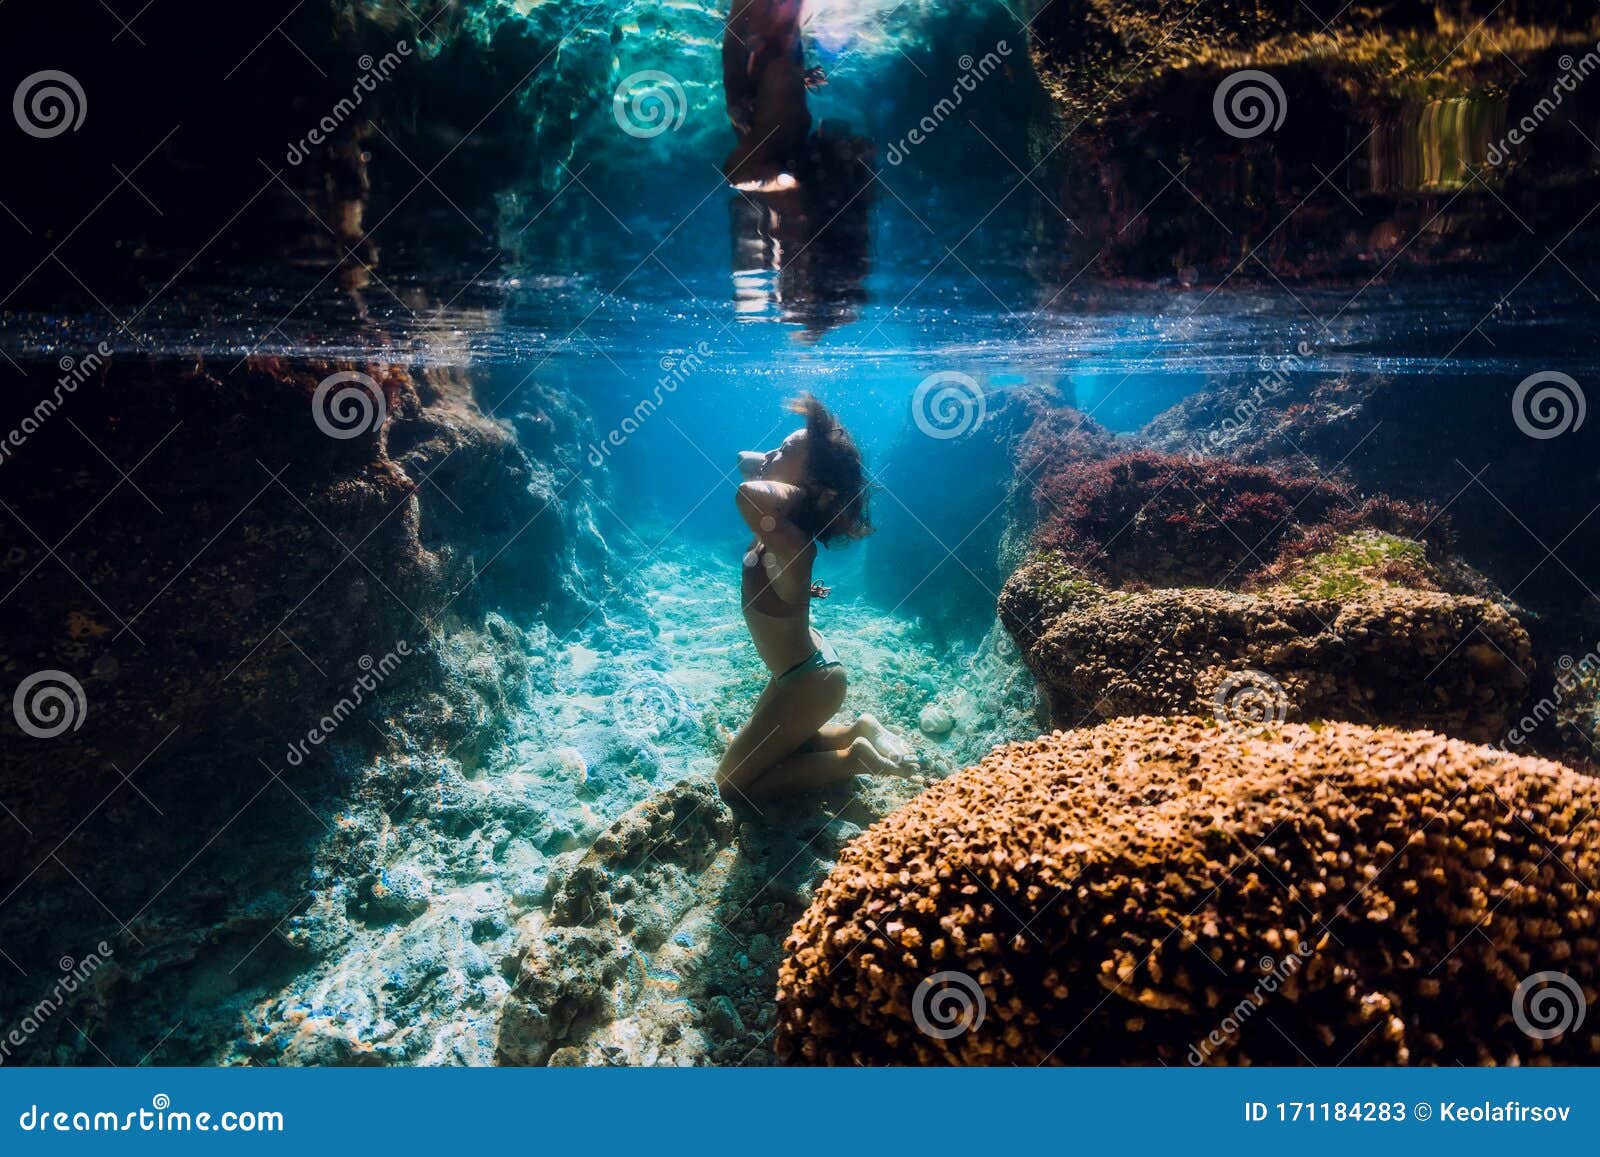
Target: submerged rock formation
{"points": [[660, 945], [1480, 445], [1169, 891], [1170, 581], [232, 576], [1143, 518], [1324, 644]]}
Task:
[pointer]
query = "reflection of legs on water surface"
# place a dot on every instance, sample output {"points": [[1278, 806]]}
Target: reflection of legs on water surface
{"points": [[789, 746]]}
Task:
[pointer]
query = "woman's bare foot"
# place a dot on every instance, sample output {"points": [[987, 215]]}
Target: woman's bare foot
{"points": [[886, 742], [875, 762]]}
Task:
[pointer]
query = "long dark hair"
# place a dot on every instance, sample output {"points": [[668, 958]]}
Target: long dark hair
{"points": [[836, 495]]}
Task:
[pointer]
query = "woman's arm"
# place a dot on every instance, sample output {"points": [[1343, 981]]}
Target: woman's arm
{"points": [[766, 507]]}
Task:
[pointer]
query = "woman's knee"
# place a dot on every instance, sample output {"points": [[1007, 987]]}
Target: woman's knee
{"points": [[737, 769]]}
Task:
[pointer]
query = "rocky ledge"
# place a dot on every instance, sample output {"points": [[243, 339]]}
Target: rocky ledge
{"points": [[1333, 640]]}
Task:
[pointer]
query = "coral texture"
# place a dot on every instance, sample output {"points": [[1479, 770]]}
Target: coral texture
{"points": [[1169, 891], [1376, 653]]}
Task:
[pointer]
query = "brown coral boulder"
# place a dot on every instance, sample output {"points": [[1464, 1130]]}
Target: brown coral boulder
{"points": [[1166, 890], [1377, 654]]}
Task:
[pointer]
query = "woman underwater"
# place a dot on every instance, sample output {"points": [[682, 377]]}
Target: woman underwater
{"points": [[811, 489]]}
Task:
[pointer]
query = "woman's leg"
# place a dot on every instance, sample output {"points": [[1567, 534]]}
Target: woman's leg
{"points": [[808, 770], [839, 736], [833, 737], [785, 718]]}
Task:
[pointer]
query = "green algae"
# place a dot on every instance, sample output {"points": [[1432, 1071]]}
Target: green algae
{"points": [[1355, 564], [1061, 582]]}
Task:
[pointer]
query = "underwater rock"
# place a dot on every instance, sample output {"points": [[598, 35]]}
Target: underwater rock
{"points": [[1170, 891], [660, 945], [588, 959], [1322, 645], [935, 721], [1144, 518], [1086, 51], [257, 598], [1401, 107], [1384, 435]]}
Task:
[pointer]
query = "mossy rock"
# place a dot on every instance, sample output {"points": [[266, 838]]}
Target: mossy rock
{"points": [[1360, 562]]}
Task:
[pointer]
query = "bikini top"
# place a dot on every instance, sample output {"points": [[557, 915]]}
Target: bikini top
{"points": [[759, 593]]}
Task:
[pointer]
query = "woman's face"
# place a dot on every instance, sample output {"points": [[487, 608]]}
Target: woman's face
{"points": [[787, 463]]}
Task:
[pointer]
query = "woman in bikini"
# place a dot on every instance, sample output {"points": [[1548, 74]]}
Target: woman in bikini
{"points": [[811, 489]]}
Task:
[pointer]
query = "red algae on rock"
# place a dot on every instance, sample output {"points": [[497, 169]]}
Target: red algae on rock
{"points": [[1147, 518], [1170, 891]]}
